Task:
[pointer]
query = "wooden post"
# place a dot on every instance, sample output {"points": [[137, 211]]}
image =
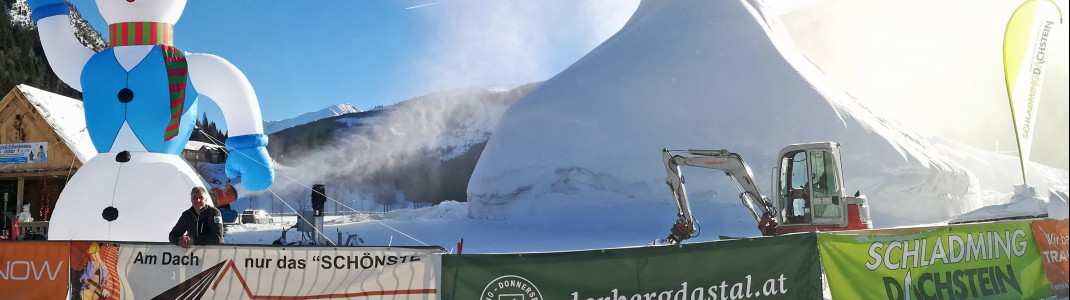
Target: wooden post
{"points": [[20, 193]]}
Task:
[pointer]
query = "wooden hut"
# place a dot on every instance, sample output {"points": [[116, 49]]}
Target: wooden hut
{"points": [[43, 142]]}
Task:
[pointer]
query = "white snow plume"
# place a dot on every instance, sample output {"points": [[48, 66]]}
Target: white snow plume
{"points": [[483, 41], [709, 75], [933, 66], [412, 137]]}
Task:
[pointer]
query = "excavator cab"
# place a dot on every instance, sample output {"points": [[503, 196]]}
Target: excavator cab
{"points": [[810, 193]]}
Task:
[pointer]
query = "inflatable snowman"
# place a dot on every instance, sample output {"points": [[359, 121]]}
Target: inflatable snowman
{"points": [[140, 100]]}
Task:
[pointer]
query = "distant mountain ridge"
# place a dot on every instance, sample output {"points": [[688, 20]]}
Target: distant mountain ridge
{"points": [[334, 110]]}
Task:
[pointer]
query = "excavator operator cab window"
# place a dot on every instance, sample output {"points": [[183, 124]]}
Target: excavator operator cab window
{"points": [[794, 188], [824, 174]]}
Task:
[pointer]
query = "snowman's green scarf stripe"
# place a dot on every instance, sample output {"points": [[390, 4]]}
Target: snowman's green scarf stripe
{"points": [[152, 33]]}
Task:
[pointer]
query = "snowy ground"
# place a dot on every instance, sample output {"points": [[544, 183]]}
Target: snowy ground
{"points": [[557, 227], [554, 227]]}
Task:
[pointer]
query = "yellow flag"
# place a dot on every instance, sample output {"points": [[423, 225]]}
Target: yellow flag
{"points": [[1026, 43]]}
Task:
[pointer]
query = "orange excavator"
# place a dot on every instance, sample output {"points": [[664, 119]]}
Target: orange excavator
{"points": [[809, 191]]}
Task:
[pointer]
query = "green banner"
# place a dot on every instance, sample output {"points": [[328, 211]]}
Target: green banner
{"points": [[784, 267], [985, 261]]}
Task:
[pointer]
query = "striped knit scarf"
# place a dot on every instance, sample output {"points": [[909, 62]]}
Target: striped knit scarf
{"points": [[149, 33]]}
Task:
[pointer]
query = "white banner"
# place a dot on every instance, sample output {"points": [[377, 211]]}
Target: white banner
{"points": [[261, 272]]}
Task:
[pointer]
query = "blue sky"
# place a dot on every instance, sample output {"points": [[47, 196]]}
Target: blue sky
{"points": [[308, 55]]}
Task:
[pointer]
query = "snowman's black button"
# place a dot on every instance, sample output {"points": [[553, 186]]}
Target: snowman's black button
{"points": [[110, 213], [126, 95], [123, 156]]}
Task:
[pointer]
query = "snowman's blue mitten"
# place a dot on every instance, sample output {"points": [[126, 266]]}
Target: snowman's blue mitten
{"points": [[249, 158]]}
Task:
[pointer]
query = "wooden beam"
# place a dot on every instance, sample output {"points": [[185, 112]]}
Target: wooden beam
{"points": [[38, 173]]}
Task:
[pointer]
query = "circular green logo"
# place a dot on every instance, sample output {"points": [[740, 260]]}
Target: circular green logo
{"points": [[510, 287]]}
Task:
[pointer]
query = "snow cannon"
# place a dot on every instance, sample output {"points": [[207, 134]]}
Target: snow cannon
{"points": [[311, 222], [319, 199]]}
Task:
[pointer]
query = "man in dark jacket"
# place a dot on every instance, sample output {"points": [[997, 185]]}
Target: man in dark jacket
{"points": [[200, 224]]}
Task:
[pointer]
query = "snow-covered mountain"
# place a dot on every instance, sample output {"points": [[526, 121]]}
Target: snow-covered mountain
{"points": [[20, 16], [19, 13], [335, 110], [712, 75]]}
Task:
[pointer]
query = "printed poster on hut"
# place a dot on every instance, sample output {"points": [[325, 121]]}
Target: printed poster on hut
{"points": [[23, 153]]}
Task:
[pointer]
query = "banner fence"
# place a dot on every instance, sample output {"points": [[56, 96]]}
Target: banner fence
{"points": [[92, 270], [1020, 260]]}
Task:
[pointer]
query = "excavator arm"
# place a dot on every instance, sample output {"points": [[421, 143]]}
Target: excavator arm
{"points": [[733, 166]]}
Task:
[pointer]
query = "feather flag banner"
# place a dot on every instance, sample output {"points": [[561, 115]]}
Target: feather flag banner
{"points": [[1025, 45]]}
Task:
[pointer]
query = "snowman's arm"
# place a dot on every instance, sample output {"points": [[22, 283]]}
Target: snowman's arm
{"points": [[218, 79], [66, 55]]}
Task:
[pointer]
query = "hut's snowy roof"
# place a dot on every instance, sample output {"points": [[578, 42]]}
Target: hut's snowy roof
{"points": [[66, 116]]}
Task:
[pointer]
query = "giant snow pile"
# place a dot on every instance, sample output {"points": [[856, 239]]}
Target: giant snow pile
{"points": [[710, 75]]}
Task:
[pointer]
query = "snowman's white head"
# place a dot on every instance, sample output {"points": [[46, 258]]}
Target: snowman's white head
{"points": [[122, 11]]}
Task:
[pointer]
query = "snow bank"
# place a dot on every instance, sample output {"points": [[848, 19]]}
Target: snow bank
{"points": [[447, 210], [1023, 204], [1058, 208]]}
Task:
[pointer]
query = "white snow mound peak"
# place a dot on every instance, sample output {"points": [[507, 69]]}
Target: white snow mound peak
{"points": [[697, 74]]}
